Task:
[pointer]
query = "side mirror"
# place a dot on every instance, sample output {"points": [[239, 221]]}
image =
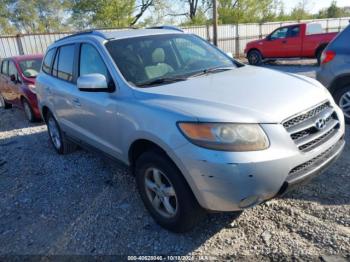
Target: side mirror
{"points": [[92, 83]]}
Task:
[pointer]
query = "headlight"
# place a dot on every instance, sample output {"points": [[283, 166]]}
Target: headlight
{"points": [[226, 136], [32, 88]]}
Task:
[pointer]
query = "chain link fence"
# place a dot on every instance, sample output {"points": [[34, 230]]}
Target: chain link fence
{"points": [[231, 38]]}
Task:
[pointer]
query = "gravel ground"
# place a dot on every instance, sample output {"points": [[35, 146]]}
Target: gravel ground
{"points": [[84, 204]]}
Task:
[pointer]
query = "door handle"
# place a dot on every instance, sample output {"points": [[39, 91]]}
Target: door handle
{"points": [[76, 101], [284, 42]]}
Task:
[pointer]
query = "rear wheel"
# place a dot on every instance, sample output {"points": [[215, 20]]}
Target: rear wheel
{"points": [[28, 111], [165, 193], [3, 103], [254, 57], [57, 137], [342, 98]]}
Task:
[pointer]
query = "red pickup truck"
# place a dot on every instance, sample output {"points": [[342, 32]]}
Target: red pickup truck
{"points": [[299, 40]]}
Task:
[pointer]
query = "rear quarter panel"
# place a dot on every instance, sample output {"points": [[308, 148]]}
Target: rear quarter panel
{"points": [[313, 42]]}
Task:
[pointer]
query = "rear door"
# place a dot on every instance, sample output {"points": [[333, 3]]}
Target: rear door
{"points": [[62, 87]]}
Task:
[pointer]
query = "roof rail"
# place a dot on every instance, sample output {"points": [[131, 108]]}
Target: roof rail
{"points": [[167, 27], [92, 32]]}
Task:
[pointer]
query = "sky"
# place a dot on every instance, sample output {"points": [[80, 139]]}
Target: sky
{"points": [[315, 5]]}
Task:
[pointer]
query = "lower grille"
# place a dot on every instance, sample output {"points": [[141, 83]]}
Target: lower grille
{"points": [[318, 160], [314, 127]]}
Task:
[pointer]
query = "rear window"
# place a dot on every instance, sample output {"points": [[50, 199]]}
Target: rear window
{"points": [[48, 61], [63, 65]]}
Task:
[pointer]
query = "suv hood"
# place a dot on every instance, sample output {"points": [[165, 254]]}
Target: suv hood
{"points": [[246, 94]]}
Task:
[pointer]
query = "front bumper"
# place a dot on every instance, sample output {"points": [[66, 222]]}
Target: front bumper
{"points": [[226, 181]]}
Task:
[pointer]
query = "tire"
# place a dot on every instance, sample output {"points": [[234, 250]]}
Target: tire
{"points": [[4, 104], [342, 98], [58, 139], [254, 58], [319, 54], [28, 111], [185, 210]]}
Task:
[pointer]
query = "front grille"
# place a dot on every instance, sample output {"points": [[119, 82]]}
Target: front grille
{"points": [[298, 119], [314, 127]]}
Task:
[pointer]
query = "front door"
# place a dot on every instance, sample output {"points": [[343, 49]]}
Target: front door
{"points": [[97, 112], [274, 44]]}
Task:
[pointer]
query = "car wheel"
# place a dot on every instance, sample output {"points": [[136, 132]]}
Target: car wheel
{"points": [[165, 193], [57, 137], [28, 111], [3, 103], [342, 98], [254, 57]]}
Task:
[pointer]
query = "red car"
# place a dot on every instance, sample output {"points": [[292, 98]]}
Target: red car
{"points": [[17, 84], [293, 41]]}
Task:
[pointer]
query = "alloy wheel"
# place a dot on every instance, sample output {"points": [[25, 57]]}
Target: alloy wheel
{"points": [[161, 193], [344, 103]]}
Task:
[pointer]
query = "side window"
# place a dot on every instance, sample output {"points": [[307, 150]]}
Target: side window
{"points": [[294, 31], [12, 69], [4, 67], [279, 33], [92, 63], [48, 61], [65, 62]]}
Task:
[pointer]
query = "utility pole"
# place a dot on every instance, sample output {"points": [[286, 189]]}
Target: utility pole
{"points": [[215, 22]]}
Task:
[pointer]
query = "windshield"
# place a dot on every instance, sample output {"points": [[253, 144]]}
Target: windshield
{"points": [[174, 56], [31, 67]]}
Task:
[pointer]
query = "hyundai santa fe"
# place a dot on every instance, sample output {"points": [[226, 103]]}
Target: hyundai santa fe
{"points": [[200, 131]]}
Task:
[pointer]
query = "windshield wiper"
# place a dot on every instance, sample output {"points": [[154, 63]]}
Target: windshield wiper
{"points": [[159, 81], [212, 70]]}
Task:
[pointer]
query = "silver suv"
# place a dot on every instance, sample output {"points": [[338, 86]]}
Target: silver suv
{"points": [[199, 130]]}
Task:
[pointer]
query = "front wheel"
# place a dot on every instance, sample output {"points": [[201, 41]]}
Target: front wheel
{"points": [[342, 98], [254, 57], [165, 193]]}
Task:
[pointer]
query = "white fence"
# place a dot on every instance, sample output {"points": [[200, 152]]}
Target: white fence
{"points": [[231, 38]]}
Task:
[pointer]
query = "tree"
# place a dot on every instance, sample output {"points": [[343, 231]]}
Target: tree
{"points": [[245, 11], [5, 26], [300, 11], [333, 11], [36, 15], [109, 13]]}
